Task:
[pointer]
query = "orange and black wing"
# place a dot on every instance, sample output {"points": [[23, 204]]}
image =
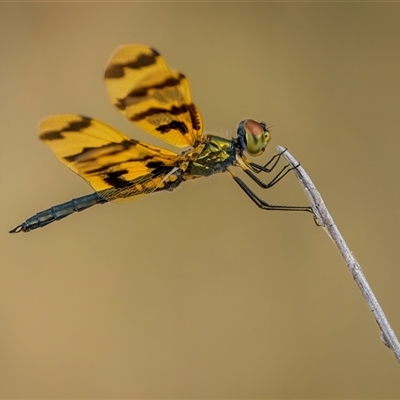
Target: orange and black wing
{"points": [[117, 167], [149, 94]]}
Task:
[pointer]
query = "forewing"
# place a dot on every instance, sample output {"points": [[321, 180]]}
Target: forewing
{"points": [[114, 165], [156, 99]]}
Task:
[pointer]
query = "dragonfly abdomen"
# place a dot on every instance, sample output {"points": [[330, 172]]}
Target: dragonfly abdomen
{"points": [[58, 212]]}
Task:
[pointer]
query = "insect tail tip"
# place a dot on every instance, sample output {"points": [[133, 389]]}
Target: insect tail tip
{"points": [[17, 229]]}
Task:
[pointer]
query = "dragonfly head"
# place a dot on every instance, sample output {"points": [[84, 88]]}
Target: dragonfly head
{"points": [[253, 136]]}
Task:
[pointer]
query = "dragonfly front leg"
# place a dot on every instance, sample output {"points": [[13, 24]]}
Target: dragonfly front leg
{"points": [[251, 168], [268, 167], [280, 175]]}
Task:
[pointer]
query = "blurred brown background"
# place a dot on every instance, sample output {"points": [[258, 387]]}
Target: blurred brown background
{"points": [[198, 293]]}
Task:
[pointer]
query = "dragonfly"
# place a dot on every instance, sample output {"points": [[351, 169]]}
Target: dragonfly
{"points": [[158, 100]]}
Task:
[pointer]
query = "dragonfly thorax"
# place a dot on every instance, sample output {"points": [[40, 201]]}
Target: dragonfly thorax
{"points": [[216, 156]]}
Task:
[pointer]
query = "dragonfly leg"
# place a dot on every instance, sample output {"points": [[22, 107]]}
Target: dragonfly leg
{"points": [[280, 175], [263, 204], [269, 166]]}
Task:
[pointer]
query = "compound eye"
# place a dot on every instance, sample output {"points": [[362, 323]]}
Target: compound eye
{"points": [[256, 137]]}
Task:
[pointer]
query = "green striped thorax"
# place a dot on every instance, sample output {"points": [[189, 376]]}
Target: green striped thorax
{"points": [[253, 136]]}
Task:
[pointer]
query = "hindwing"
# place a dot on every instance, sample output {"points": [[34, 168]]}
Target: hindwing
{"points": [[114, 165]]}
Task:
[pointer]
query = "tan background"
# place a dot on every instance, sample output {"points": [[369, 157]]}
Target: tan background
{"points": [[198, 293]]}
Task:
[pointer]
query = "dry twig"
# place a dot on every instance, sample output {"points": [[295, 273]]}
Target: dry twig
{"points": [[324, 219]]}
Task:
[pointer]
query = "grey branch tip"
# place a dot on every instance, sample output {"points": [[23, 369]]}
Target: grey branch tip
{"points": [[324, 219]]}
